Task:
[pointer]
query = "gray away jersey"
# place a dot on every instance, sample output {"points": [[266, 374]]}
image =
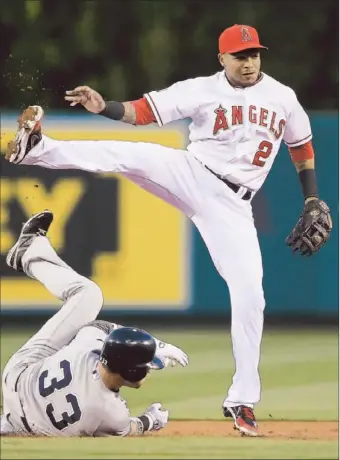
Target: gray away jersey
{"points": [[64, 396]]}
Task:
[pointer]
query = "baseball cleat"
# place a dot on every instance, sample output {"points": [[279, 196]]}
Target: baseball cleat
{"points": [[244, 419], [28, 134], [37, 225]]}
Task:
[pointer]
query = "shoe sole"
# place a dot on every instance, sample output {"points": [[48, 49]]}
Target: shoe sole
{"points": [[28, 122], [30, 117], [245, 432]]}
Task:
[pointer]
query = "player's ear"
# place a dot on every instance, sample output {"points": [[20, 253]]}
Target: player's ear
{"points": [[220, 58]]}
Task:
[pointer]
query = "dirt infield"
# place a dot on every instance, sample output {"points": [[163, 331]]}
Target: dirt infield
{"points": [[327, 431]]}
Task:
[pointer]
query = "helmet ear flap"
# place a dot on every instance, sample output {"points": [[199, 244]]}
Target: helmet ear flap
{"points": [[134, 374]]}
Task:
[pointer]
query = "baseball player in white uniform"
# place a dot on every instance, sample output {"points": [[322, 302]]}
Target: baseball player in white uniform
{"points": [[239, 117], [65, 380]]}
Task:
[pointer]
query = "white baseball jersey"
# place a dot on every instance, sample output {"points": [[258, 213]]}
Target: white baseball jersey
{"points": [[64, 396], [235, 131]]}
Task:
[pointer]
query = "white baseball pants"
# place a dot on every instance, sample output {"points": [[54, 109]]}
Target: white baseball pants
{"points": [[223, 219]]}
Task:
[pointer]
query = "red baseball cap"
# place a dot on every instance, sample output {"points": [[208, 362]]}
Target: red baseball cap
{"points": [[239, 38]]}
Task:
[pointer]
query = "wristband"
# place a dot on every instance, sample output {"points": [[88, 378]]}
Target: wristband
{"points": [[113, 110], [308, 183], [143, 423], [147, 426]]}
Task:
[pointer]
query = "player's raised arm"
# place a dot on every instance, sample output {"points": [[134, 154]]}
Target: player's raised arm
{"points": [[176, 102], [315, 224], [136, 112]]}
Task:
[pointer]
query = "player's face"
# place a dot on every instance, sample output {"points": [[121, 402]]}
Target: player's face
{"points": [[133, 384], [243, 68]]}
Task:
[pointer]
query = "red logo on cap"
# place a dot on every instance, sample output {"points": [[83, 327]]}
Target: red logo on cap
{"points": [[246, 36]]}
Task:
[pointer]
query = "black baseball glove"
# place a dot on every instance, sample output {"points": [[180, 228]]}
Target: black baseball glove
{"points": [[312, 230]]}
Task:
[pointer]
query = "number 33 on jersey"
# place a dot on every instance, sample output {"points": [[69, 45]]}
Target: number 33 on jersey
{"points": [[236, 132]]}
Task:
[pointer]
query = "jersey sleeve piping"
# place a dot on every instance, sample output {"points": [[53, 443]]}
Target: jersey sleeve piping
{"points": [[300, 142], [154, 109]]}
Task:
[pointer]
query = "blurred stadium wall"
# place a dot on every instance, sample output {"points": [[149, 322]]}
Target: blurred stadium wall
{"points": [[147, 258], [143, 253]]}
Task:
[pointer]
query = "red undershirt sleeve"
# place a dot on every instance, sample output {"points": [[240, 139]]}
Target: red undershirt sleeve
{"points": [[302, 152], [144, 113]]}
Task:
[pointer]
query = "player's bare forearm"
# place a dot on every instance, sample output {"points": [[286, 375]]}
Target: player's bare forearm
{"points": [[305, 164], [94, 102], [129, 114], [135, 428]]}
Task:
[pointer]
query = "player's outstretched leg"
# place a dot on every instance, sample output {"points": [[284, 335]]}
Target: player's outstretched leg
{"points": [[82, 298], [171, 174]]}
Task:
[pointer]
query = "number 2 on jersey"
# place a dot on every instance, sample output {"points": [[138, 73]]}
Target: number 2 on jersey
{"points": [[67, 419], [264, 150]]}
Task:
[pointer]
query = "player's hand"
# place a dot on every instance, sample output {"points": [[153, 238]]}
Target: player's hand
{"points": [[157, 415], [87, 97], [171, 355]]}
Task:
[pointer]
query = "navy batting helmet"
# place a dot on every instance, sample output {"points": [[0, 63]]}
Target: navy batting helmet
{"points": [[130, 352]]}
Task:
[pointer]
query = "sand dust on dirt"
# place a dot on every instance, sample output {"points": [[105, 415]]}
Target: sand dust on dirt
{"points": [[327, 431]]}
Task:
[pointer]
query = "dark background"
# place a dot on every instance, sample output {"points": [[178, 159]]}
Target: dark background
{"points": [[126, 48]]}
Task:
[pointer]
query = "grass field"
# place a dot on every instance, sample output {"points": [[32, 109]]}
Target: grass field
{"points": [[300, 383]]}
